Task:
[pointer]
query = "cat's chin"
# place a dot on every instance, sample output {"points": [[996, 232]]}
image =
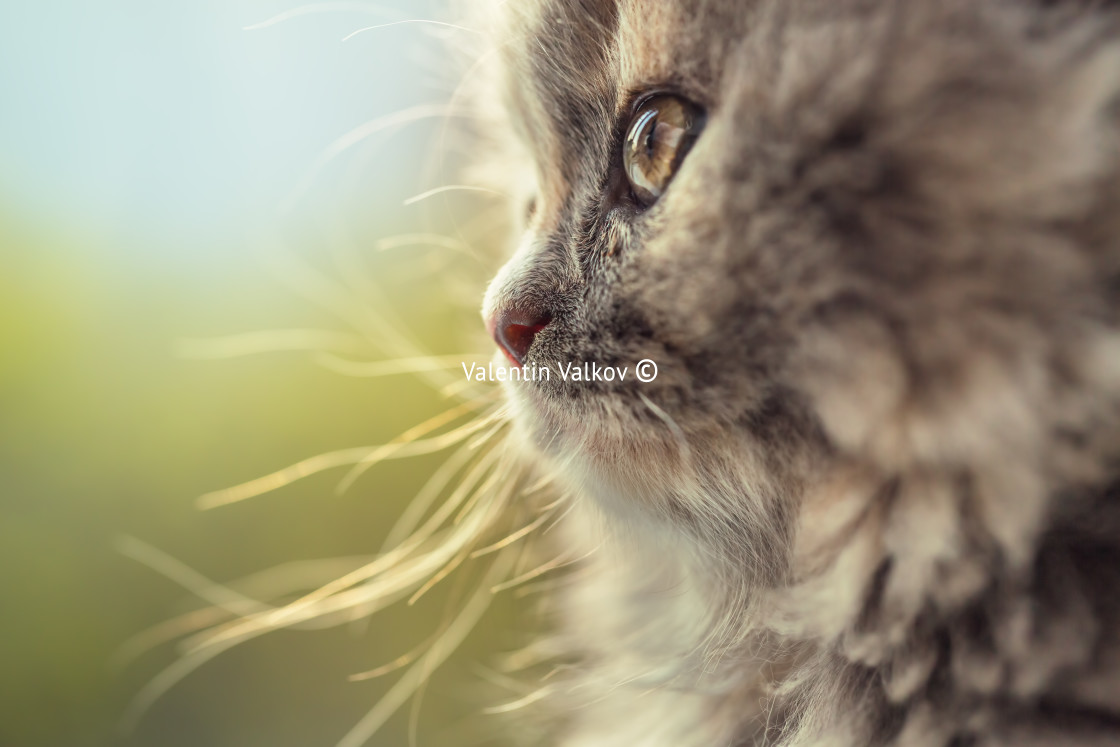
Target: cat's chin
{"points": [[619, 470], [556, 431], [567, 428]]}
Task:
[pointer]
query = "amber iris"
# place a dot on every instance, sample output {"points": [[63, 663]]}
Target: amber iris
{"points": [[661, 133]]}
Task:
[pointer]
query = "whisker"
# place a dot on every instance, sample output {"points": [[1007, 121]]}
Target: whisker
{"points": [[548, 506], [360, 134], [315, 8], [280, 478], [374, 327], [352, 34], [403, 446], [166, 631], [514, 705], [165, 680], [452, 188], [190, 579], [540, 570], [441, 574], [470, 503], [419, 505], [365, 294], [542, 482], [417, 701], [498, 678], [373, 369], [448, 641], [267, 584], [302, 609], [467, 511], [500, 418], [269, 341], [456, 388], [335, 299], [381, 564], [401, 661], [422, 239], [510, 539], [469, 500], [460, 88], [540, 587], [435, 240], [314, 465], [374, 595], [678, 434], [410, 439], [567, 510], [458, 559]]}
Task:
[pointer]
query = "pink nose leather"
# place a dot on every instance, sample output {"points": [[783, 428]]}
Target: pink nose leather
{"points": [[514, 331]]}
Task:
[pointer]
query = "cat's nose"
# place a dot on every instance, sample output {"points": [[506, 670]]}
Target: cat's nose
{"points": [[514, 330]]}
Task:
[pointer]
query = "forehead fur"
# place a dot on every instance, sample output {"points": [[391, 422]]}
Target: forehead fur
{"points": [[570, 67], [683, 45], [560, 63]]}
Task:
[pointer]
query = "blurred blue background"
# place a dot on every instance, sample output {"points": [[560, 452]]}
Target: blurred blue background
{"points": [[156, 161]]}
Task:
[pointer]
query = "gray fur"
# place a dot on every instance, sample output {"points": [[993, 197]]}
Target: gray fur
{"points": [[882, 292]]}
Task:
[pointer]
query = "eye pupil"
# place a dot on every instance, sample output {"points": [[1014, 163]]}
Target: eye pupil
{"points": [[661, 132]]}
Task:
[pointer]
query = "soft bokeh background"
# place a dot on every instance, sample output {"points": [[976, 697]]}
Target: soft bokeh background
{"points": [[156, 161]]}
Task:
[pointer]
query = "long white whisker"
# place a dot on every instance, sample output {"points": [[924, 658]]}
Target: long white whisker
{"points": [[450, 639], [269, 341], [316, 8], [381, 588], [560, 562], [415, 239], [529, 699], [286, 476], [452, 188], [167, 679], [678, 433], [352, 34], [360, 134], [411, 448], [335, 298], [372, 369], [431, 490], [408, 444], [510, 539], [210, 591], [429, 240]]}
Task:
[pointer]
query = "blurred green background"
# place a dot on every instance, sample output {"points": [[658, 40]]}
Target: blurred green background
{"points": [[156, 161]]}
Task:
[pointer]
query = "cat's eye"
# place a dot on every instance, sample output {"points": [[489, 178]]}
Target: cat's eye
{"points": [[661, 132]]}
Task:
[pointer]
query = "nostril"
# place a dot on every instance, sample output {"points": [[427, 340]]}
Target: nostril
{"points": [[514, 331]]}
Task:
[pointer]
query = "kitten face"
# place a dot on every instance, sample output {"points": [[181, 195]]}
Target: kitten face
{"points": [[882, 291], [878, 252], [621, 282]]}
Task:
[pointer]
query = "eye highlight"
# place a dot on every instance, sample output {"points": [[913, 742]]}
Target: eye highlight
{"points": [[660, 134]]}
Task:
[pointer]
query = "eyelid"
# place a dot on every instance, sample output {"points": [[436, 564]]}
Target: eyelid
{"points": [[637, 97], [638, 100]]}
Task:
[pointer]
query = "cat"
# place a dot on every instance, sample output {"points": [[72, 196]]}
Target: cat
{"points": [[872, 496]]}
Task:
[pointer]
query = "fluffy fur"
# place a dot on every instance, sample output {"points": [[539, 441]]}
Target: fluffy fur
{"points": [[871, 498]]}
